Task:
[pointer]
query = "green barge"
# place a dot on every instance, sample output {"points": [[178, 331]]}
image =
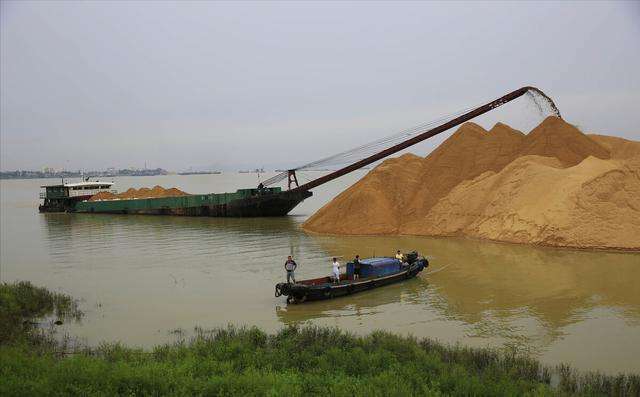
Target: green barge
{"points": [[242, 203]]}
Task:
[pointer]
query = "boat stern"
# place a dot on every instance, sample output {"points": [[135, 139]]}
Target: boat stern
{"points": [[293, 292]]}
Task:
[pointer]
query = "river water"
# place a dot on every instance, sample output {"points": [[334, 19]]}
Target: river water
{"points": [[142, 278]]}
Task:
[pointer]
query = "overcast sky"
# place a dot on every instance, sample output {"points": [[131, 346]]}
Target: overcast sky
{"points": [[230, 85]]}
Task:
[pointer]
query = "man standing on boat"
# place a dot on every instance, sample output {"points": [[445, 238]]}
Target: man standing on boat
{"points": [[336, 270], [356, 267], [290, 265]]}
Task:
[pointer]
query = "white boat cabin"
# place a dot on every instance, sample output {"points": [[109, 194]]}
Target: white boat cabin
{"points": [[75, 190]]}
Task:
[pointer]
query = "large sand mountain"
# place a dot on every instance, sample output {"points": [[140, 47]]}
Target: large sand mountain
{"points": [[534, 200], [619, 148], [553, 186]]}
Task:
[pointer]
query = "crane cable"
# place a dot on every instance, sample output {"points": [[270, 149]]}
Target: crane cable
{"points": [[367, 149], [361, 152]]}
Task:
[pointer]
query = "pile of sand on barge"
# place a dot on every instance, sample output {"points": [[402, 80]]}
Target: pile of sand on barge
{"points": [[142, 193], [554, 186]]}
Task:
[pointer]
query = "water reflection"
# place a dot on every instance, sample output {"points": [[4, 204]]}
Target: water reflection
{"points": [[414, 291], [66, 234], [520, 294]]}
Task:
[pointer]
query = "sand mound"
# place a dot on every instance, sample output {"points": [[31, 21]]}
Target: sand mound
{"points": [[144, 192], [407, 187], [103, 196], [174, 192], [535, 200], [501, 185], [556, 138], [362, 209], [469, 152], [131, 193], [618, 148]]}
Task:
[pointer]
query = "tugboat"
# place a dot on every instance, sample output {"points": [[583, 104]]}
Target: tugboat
{"points": [[63, 197], [374, 272]]}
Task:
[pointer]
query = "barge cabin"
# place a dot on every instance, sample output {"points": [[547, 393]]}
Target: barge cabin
{"points": [[63, 197]]}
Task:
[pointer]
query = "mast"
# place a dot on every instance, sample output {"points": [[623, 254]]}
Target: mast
{"points": [[426, 135]]}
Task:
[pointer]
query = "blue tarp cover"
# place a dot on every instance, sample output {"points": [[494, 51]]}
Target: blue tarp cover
{"points": [[376, 267]]}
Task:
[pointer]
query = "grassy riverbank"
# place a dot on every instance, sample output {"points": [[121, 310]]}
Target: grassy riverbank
{"points": [[248, 361]]}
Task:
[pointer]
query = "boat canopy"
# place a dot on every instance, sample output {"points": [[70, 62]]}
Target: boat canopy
{"points": [[376, 267]]}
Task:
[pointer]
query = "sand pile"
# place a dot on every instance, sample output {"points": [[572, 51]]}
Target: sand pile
{"points": [[469, 152], [131, 193], [553, 186], [618, 148], [535, 200], [395, 191], [556, 138], [375, 204], [103, 196]]}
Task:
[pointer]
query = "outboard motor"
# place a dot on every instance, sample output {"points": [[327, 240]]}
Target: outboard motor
{"points": [[294, 292], [425, 263], [283, 289], [418, 261], [411, 257]]}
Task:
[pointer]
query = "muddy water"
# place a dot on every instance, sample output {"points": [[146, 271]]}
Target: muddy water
{"points": [[140, 278]]}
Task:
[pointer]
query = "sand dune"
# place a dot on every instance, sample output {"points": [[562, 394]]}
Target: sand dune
{"points": [[375, 204], [595, 203], [143, 192], [554, 186], [619, 148]]}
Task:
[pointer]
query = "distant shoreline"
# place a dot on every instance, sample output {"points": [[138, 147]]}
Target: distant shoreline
{"points": [[200, 173], [71, 174]]}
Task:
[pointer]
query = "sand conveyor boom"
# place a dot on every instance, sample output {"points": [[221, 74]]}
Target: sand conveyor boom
{"points": [[419, 135]]}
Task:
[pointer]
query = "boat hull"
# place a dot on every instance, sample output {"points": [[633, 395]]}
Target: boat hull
{"points": [[299, 293], [61, 204], [243, 203]]}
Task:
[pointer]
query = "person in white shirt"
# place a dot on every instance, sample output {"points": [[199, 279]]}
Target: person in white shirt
{"points": [[336, 270], [399, 256]]}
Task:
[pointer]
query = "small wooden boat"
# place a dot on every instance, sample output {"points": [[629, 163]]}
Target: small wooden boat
{"points": [[374, 272]]}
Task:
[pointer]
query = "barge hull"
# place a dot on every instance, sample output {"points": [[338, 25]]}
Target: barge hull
{"points": [[243, 203]]}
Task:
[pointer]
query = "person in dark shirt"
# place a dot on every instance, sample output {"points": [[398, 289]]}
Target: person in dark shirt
{"points": [[290, 265], [356, 267]]}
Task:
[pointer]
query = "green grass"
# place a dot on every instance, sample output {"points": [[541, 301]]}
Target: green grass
{"points": [[295, 361], [22, 303]]}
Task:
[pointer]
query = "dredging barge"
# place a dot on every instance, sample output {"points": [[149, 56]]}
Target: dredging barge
{"points": [[265, 201], [374, 273]]}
